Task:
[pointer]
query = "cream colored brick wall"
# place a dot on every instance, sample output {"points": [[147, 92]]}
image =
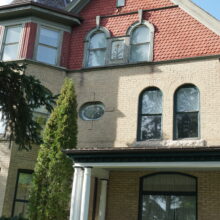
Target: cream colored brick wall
{"points": [[12, 160], [5, 155], [123, 195], [119, 89]]}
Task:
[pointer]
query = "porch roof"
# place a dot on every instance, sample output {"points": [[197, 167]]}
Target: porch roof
{"points": [[147, 154]]}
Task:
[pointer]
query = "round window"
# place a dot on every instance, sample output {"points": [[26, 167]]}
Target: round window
{"points": [[92, 111]]}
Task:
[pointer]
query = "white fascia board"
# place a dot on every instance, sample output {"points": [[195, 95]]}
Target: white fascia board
{"points": [[199, 14], [154, 165]]}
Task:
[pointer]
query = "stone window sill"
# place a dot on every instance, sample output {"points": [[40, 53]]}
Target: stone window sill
{"points": [[171, 143]]}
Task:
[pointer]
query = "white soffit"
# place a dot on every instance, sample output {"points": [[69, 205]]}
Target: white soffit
{"points": [[199, 14]]}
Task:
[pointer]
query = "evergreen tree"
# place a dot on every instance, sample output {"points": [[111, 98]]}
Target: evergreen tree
{"points": [[51, 189], [20, 95]]}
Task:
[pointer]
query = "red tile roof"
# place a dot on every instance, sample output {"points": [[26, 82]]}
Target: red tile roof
{"points": [[177, 34]]}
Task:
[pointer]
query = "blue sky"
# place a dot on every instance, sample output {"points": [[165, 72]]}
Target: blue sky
{"points": [[211, 6]]}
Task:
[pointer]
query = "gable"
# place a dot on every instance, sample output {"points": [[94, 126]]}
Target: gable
{"points": [[178, 35]]}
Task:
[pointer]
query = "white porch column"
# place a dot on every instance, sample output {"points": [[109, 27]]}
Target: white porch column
{"points": [[103, 196], [76, 194], [85, 194]]}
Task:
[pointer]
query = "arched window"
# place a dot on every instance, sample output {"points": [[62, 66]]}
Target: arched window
{"points": [[168, 196], [97, 49], [186, 108], [141, 39], [150, 113]]}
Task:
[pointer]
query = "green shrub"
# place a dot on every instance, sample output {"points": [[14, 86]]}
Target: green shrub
{"points": [[51, 189]]}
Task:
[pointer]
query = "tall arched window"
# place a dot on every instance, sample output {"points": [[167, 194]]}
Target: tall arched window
{"points": [[140, 44], [168, 196], [97, 49], [186, 106], [150, 113]]}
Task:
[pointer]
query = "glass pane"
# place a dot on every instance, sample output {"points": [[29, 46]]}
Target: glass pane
{"points": [[150, 127], [140, 35], [10, 52], [49, 37], [2, 125], [187, 125], [140, 52], [160, 207], [120, 3], [152, 102], [21, 209], [46, 54], [97, 58], [98, 41], [169, 183], [13, 34], [92, 111], [187, 99], [24, 183]]}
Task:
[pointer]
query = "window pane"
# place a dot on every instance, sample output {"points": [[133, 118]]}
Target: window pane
{"points": [[46, 54], [187, 99], [187, 125], [169, 183], [92, 111], [24, 182], [97, 58], [140, 35], [10, 52], [98, 41], [21, 209], [2, 125], [160, 207], [49, 37], [139, 52], [120, 3], [150, 127], [13, 34], [152, 102]]}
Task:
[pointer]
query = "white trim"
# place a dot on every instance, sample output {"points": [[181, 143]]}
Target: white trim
{"points": [[155, 165], [199, 14]]}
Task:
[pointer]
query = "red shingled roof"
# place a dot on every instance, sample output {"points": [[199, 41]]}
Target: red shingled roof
{"points": [[177, 34]]}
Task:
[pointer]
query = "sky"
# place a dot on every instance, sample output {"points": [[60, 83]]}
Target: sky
{"points": [[211, 6]]}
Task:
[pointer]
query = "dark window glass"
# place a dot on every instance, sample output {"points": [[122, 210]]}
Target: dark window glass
{"points": [[187, 112], [150, 113], [168, 197], [22, 193]]}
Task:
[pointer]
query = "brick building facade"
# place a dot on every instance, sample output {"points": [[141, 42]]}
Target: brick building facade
{"points": [[147, 81]]}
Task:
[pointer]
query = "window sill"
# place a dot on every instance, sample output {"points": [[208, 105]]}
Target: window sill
{"points": [[170, 143]]}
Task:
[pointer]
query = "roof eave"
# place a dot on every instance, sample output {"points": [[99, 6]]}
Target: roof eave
{"points": [[144, 154], [38, 10]]}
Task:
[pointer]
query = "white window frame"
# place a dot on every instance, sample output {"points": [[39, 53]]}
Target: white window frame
{"points": [[60, 40], [3, 39]]}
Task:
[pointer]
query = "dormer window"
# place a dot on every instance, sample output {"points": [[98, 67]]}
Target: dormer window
{"points": [[120, 3], [97, 49], [11, 42], [48, 46], [140, 44]]}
